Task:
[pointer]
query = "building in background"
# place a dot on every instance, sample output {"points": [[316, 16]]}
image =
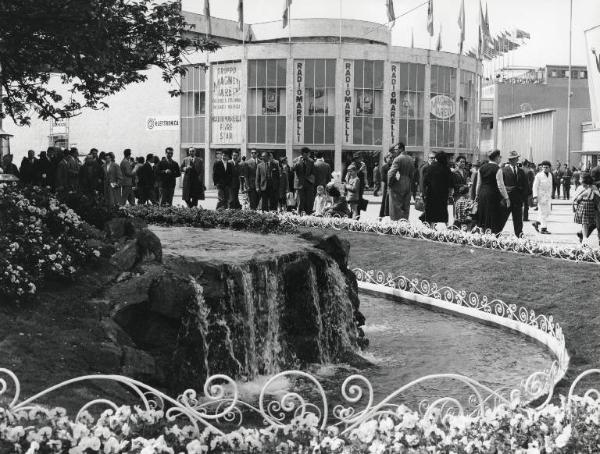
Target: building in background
{"points": [[337, 86], [525, 109]]}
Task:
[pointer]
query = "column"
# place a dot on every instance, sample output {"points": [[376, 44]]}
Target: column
{"points": [[427, 110], [289, 108], [339, 112], [244, 106], [387, 93], [208, 161], [457, 111]]}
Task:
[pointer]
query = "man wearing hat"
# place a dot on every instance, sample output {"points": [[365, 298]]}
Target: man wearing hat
{"points": [[304, 181], [400, 179], [517, 186]]}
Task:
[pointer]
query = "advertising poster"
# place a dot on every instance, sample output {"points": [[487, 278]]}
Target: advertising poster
{"points": [[348, 101], [592, 41], [270, 102], [318, 104], [299, 101], [226, 118], [162, 123]]}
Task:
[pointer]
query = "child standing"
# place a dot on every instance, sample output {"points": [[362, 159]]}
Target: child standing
{"points": [[352, 187], [463, 209], [322, 201]]}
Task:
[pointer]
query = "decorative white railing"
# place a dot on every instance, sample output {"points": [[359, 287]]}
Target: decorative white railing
{"points": [[220, 408], [541, 327], [423, 231]]}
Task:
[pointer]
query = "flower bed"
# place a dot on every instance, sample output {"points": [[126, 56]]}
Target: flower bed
{"points": [[453, 235], [572, 426], [254, 221], [41, 239]]}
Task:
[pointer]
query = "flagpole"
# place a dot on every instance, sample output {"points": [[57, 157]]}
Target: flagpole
{"points": [[340, 30], [569, 86]]}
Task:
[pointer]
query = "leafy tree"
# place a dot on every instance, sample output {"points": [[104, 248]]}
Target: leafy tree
{"points": [[97, 47]]}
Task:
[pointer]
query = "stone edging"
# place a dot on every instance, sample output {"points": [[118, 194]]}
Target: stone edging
{"points": [[541, 328]]}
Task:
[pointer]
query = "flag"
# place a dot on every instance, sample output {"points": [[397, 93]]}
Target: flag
{"points": [[207, 15], [390, 11], [240, 9], [461, 25], [430, 17], [520, 34], [484, 33], [438, 45], [286, 12]]}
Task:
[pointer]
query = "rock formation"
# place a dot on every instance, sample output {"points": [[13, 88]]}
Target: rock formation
{"points": [[235, 303]]}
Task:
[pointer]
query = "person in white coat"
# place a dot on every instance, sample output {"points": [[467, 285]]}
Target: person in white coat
{"points": [[542, 196]]}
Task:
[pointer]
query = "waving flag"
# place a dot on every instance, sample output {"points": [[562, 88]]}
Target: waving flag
{"points": [[240, 9], [430, 17], [207, 15], [390, 11], [286, 12], [461, 25], [438, 45]]}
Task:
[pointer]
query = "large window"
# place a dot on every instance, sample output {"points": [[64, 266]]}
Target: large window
{"points": [[193, 105], [411, 101], [266, 101], [368, 102], [443, 108], [466, 111], [319, 101]]}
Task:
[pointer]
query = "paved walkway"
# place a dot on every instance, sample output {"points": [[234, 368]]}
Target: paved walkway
{"points": [[561, 226]]}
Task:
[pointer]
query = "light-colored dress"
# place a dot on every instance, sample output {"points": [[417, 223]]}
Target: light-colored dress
{"points": [[542, 189]]}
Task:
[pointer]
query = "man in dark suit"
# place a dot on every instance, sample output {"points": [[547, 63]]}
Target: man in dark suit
{"points": [[145, 183], [304, 181], [234, 189], [517, 186], [248, 179], [222, 170], [322, 171], [267, 182], [28, 170], [169, 171]]}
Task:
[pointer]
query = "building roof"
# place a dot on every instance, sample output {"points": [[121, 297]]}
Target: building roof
{"points": [[526, 113], [227, 31]]}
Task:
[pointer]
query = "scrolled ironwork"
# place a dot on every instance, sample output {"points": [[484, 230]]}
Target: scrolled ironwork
{"points": [[423, 231]]}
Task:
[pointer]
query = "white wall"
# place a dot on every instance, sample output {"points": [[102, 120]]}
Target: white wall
{"points": [[122, 125]]}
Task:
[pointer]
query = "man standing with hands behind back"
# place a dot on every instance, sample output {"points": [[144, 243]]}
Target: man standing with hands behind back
{"points": [[517, 186], [304, 181]]}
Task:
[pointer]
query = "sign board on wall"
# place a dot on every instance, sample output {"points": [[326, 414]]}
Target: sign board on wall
{"points": [[592, 41], [394, 104], [226, 116], [348, 126], [58, 126], [299, 101], [162, 123], [442, 107]]}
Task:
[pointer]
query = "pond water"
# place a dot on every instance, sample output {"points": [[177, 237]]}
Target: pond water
{"points": [[408, 342]]}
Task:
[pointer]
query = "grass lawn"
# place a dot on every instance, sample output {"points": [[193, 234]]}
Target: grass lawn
{"points": [[563, 289]]}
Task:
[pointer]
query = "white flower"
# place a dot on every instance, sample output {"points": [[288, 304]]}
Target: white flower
{"points": [[366, 431], [33, 447], [52, 257], [195, 447], [562, 440]]}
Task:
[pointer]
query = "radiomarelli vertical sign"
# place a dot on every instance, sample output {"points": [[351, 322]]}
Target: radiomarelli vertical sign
{"points": [[592, 42], [394, 104], [226, 115], [299, 101], [347, 127]]}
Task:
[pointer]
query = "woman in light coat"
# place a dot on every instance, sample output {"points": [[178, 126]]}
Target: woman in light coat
{"points": [[542, 196]]}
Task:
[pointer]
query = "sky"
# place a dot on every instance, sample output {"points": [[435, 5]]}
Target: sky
{"points": [[547, 21]]}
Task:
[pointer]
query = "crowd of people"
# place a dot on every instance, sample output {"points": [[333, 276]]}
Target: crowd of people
{"points": [[486, 195], [139, 180], [481, 195]]}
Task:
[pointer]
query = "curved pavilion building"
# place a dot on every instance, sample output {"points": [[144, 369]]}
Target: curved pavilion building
{"points": [[337, 86]]}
